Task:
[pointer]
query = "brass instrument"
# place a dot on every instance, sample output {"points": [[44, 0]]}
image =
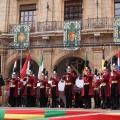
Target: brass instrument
{"points": [[75, 70]]}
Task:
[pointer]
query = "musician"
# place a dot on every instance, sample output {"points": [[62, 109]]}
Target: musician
{"points": [[47, 89], [34, 89], [42, 91], [14, 89], [114, 77], [28, 90], [88, 89], [96, 85], [78, 92], [69, 77], [105, 87], [19, 98], [54, 87]]}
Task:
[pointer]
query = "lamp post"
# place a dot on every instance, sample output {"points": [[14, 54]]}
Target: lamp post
{"points": [[97, 10], [47, 7]]}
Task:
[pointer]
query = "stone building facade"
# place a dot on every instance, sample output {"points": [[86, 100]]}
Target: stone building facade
{"points": [[97, 26]]}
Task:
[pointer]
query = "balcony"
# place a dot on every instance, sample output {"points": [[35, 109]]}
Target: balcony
{"points": [[87, 24], [97, 23]]}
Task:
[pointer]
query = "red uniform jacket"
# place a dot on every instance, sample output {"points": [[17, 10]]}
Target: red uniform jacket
{"points": [[114, 78], [42, 85], [88, 79], [20, 86], [55, 82], [15, 84], [105, 79], [70, 79], [30, 82], [47, 89], [96, 84]]}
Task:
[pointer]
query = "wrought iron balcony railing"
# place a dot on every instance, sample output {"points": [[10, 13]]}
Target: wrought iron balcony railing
{"points": [[96, 23], [86, 24], [49, 26]]}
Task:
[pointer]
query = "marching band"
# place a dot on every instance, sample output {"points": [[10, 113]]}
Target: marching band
{"points": [[102, 86]]}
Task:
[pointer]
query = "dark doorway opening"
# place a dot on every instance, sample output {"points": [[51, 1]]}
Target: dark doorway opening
{"points": [[77, 64], [33, 66]]}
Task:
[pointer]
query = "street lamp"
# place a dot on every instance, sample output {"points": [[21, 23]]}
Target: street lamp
{"points": [[97, 10]]}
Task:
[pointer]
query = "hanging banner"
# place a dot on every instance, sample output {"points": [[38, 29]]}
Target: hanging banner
{"points": [[21, 36], [72, 35], [117, 29]]}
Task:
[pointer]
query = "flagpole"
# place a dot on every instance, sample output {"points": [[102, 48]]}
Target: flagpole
{"points": [[20, 60], [111, 57]]}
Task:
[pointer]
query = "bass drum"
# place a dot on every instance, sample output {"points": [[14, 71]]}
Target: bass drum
{"points": [[79, 83], [61, 85]]}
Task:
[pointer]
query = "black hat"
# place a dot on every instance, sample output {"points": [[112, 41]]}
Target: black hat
{"points": [[69, 64], [43, 72], [15, 70], [114, 61], [87, 65], [88, 68], [96, 71], [46, 73], [55, 69], [105, 65]]}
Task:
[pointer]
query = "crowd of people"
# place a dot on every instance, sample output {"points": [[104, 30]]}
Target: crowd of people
{"points": [[103, 86]]}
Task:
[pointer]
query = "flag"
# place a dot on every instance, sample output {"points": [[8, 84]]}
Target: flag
{"points": [[116, 29], [72, 34], [86, 59], [15, 64], [40, 67], [103, 59], [119, 60], [25, 68], [22, 35]]}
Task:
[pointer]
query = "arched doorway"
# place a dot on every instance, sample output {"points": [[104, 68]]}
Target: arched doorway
{"points": [[77, 64], [33, 66]]}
